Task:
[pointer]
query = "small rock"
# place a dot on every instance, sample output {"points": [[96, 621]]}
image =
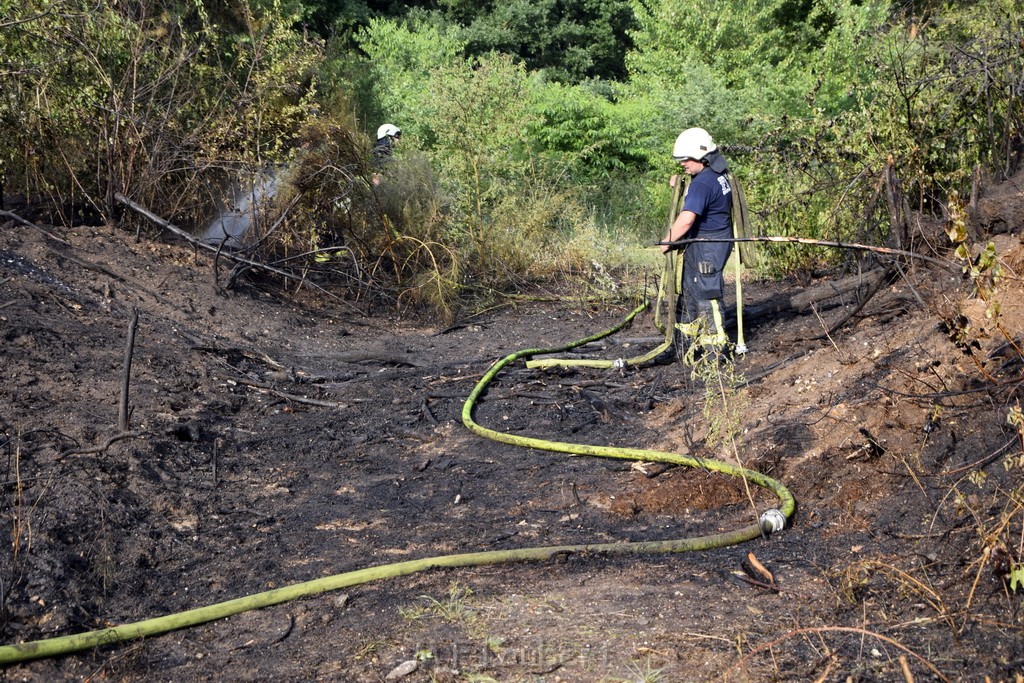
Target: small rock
{"points": [[402, 670], [341, 601]]}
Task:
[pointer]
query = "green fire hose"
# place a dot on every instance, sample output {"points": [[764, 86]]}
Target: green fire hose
{"points": [[770, 521]]}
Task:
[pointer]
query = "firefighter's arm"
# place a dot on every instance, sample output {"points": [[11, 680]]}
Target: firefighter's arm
{"points": [[680, 226]]}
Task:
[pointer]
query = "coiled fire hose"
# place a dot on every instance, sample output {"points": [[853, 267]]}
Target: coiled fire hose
{"points": [[772, 520]]}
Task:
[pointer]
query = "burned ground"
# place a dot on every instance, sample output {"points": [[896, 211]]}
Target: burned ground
{"points": [[276, 437]]}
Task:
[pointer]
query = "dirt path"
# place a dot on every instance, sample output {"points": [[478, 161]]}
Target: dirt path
{"points": [[280, 439]]}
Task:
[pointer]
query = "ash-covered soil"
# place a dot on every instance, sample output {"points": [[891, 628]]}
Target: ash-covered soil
{"points": [[277, 436]]}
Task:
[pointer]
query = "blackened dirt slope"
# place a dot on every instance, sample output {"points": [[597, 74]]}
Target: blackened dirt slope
{"points": [[277, 438]]}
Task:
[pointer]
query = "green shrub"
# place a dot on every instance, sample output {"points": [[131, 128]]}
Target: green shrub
{"points": [[161, 105]]}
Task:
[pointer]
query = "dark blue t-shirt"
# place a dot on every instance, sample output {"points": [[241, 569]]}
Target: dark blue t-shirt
{"points": [[710, 197]]}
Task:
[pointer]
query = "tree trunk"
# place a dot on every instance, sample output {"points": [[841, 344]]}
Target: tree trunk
{"points": [[821, 295]]}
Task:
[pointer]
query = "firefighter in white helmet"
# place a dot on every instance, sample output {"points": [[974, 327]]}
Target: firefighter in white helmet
{"points": [[707, 213], [387, 135]]}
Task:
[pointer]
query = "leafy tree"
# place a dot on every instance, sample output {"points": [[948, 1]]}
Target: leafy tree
{"points": [[949, 97], [342, 18], [403, 56], [570, 40], [148, 99], [773, 56], [478, 143], [927, 101], [586, 133]]}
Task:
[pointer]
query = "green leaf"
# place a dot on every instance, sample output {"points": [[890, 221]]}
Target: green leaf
{"points": [[1016, 576]]}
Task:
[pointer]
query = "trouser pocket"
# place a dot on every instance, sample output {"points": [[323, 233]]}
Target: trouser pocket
{"points": [[709, 285], [703, 270]]}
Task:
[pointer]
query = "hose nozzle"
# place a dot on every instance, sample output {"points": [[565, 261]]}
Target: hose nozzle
{"points": [[772, 520]]}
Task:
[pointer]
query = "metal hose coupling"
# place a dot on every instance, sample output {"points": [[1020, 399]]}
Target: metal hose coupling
{"points": [[772, 520]]}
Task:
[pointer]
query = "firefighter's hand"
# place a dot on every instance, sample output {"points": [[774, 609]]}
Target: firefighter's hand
{"points": [[673, 180]]}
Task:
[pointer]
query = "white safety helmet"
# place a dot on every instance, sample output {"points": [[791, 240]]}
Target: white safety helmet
{"points": [[693, 143], [388, 130]]}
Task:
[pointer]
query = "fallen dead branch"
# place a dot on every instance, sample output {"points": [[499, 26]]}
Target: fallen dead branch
{"points": [[89, 265], [102, 447], [804, 301], [864, 299], [377, 356], [948, 265], [982, 462], [288, 396], [129, 352], [18, 219], [362, 356], [215, 250], [257, 356], [836, 629], [908, 582]]}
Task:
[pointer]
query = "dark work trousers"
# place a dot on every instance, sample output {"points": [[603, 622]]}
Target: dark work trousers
{"points": [[704, 285]]}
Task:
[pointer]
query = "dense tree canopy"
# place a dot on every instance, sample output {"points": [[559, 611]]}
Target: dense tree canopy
{"points": [[571, 40]]}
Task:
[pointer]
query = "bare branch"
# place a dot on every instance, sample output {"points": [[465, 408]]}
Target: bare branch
{"points": [[233, 257]]}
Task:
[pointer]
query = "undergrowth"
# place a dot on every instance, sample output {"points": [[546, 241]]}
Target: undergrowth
{"points": [[972, 586], [840, 125]]}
